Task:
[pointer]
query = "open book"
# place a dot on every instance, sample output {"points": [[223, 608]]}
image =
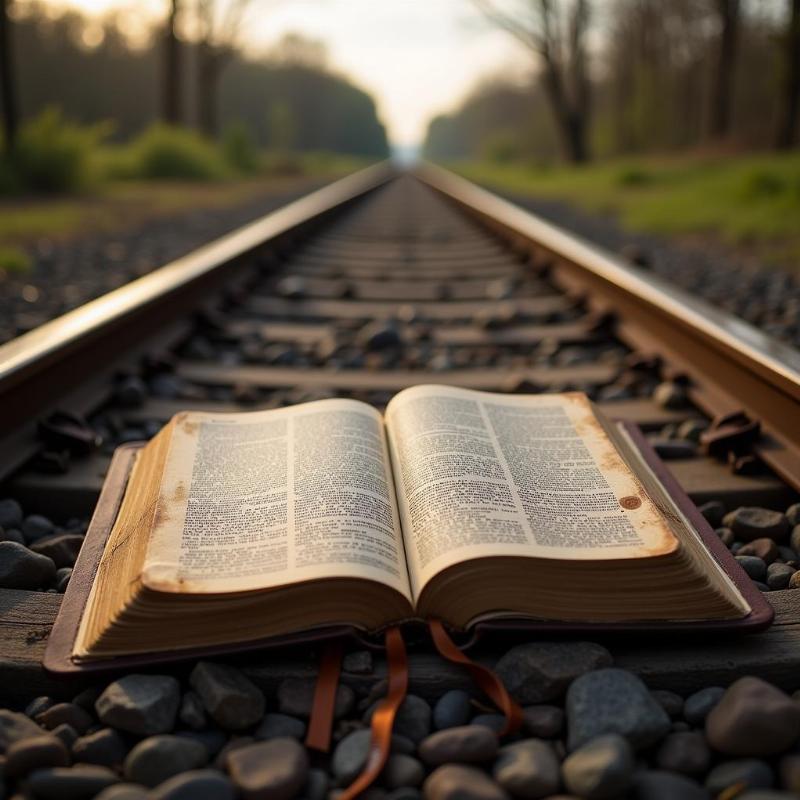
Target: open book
{"points": [[458, 505]]}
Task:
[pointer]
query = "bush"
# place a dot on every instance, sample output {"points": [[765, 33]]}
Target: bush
{"points": [[14, 260], [634, 176], [762, 182], [239, 148], [175, 153], [53, 155]]}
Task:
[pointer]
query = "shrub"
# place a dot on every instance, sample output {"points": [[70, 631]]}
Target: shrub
{"points": [[762, 182], [163, 151], [14, 260], [633, 176], [239, 148], [54, 155]]}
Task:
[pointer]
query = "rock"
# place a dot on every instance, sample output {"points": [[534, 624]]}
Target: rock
{"points": [[350, 756], [191, 712], [697, 706], [465, 744], [157, 758], [600, 769], [494, 722], [198, 784], [406, 793], [671, 703], [713, 511], [658, 785], [14, 727], [10, 514], [458, 782], [213, 739], [543, 722], [669, 449], [70, 783], [66, 714], [104, 747], [67, 734], [726, 535], [751, 522], [541, 671], [274, 770], [38, 705], [613, 701], [452, 709], [296, 698], [755, 567], [794, 581], [413, 718], [63, 548], [21, 568], [276, 726], [794, 539], [36, 527], [763, 548], [753, 718], [232, 700], [317, 784], [35, 752], [750, 772], [358, 663], [379, 335], [789, 771], [402, 770], [140, 704], [779, 576], [11, 535], [684, 752], [670, 395], [62, 578], [766, 794], [124, 791], [792, 514], [528, 769]]}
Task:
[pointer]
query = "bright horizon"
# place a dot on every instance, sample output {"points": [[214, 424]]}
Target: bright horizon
{"points": [[417, 58]]}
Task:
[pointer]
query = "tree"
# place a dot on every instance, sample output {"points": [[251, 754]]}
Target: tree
{"points": [[728, 14], [787, 125], [219, 31], [555, 31], [171, 90], [7, 78]]}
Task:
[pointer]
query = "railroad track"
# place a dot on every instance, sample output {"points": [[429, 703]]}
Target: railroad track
{"points": [[375, 283]]}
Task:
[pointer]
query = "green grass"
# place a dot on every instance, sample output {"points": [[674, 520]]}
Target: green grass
{"points": [[749, 201], [13, 260]]}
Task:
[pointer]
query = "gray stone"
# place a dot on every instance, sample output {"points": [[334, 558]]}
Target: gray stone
{"points": [[11, 535], [274, 770], [789, 771], [684, 752], [232, 700], [762, 548], [658, 785], [140, 704], [157, 758], [779, 575], [66, 714], [198, 784], [413, 718], [600, 769], [350, 756], [792, 514], [541, 671], [751, 522], [669, 449], [70, 783], [465, 744], [192, 713], [754, 566], [38, 705], [63, 548], [753, 718], [713, 511], [316, 786], [10, 513], [405, 793], [358, 663], [402, 770], [36, 527], [276, 726], [459, 782], [15, 726], [671, 703], [613, 701], [794, 539], [104, 747], [528, 769], [67, 734], [751, 772], [62, 578], [21, 568], [697, 706], [543, 722], [452, 709], [296, 698], [494, 722], [123, 791], [36, 752], [213, 739]]}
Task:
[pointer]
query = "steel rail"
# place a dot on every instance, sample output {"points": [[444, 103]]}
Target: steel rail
{"points": [[731, 364]]}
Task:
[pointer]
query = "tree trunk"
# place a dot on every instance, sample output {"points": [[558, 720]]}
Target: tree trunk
{"points": [[728, 11], [7, 80], [171, 109], [208, 69], [787, 126], [571, 122]]}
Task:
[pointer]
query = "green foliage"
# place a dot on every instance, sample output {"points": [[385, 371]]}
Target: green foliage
{"points": [[165, 152], [14, 260], [53, 155], [281, 127], [633, 176], [239, 148]]}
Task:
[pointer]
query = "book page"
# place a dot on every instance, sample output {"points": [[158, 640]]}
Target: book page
{"points": [[262, 499], [481, 474]]}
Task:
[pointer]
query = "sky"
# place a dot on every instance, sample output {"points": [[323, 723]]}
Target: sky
{"points": [[417, 58]]}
